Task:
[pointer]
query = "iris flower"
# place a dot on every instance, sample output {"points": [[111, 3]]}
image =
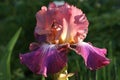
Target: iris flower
{"points": [[58, 30]]}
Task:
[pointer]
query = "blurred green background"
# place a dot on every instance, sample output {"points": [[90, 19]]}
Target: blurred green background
{"points": [[104, 19]]}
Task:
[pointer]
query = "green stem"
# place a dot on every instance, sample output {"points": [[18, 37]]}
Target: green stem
{"points": [[62, 75]]}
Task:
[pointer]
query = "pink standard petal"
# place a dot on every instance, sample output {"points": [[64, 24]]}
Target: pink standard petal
{"points": [[76, 26], [73, 22], [94, 57], [46, 17], [78, 23], [47, 59], [44, 21]]}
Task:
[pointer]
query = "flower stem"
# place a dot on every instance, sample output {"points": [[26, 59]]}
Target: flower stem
{"points": [[62, 75]]}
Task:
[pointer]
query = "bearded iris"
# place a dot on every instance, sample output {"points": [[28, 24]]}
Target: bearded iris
{"points": [[58, 30]]}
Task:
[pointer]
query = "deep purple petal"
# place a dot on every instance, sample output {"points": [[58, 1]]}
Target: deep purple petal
{"points": [[94, 57], [40, 38], [46, 59]]}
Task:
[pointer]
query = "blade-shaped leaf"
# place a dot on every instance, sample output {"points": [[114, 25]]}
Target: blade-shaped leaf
{"points": [[5, 58]]}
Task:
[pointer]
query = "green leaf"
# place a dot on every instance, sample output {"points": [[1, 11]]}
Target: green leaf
{"points": [[43, 78], [5, 73]]}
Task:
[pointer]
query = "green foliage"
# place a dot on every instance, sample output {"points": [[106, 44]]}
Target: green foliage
{"points": [[103, 16], [5, 73]]}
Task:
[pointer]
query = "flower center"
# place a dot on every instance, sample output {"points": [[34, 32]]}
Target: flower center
{"points": [[55, 33]]}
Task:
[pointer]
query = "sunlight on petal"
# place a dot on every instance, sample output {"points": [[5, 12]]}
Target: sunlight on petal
{"points": [[73, 22], [46, 59], [94, 57]]}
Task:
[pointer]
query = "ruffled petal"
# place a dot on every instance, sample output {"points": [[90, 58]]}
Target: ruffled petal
{"points": [[94, 57], [78, 24], [44, 21], [71, 21], [47, 59]]}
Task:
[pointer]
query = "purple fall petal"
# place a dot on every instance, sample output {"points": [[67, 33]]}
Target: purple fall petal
{"points": [[94, 57], [46, 59]]}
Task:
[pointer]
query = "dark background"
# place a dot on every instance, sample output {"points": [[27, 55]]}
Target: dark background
{"points": [[104, 19]]}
